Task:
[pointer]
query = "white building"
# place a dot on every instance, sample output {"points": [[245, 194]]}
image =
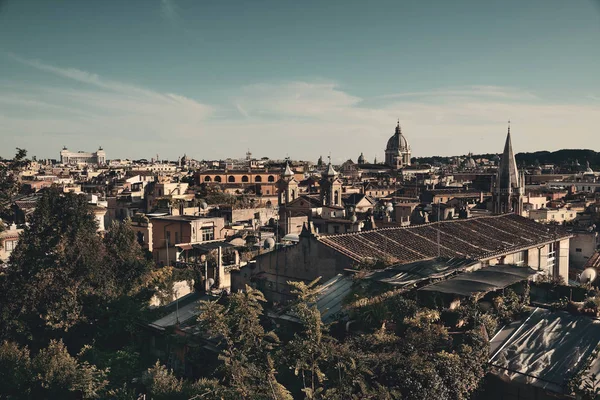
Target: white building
{"points": [[74, 158]]}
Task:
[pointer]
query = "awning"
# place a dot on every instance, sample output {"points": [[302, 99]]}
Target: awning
{"points": [[185, 246], [209, 246]]}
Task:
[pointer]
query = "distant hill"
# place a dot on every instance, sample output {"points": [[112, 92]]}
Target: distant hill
{"points": [[559, 157]]}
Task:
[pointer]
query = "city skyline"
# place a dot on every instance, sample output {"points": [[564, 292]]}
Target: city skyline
{"points": [[212, 80]]}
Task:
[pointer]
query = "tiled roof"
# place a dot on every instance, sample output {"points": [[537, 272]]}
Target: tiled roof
{"points": [[476, 238]]}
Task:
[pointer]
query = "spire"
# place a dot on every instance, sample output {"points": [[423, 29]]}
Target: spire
{"points": [[287, 173], [331, 172], [508, 175], [398, 129]]}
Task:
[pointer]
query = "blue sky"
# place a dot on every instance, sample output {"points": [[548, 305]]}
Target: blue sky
{"points": [[298, 78]]}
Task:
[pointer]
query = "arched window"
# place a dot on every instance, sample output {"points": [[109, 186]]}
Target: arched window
{"points": [[293, 194], [244, 178], [217, 178], [257, 178], [207, 178], [336, 197], [271, 178], [231, 179]]}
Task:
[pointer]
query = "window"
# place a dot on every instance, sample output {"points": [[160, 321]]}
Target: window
{"points": [[217, 179], [208, 234], [176, 237], [207, 179], [551, 255], [244, 178], [168, 237], [578, 250], [271, 178], [519, 258], [336, 229], [257, 178], [10, 245]]}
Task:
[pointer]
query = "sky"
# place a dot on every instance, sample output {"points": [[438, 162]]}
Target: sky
{"points": [[212, 79]]}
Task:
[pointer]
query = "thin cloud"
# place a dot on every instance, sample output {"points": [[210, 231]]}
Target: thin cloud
{"points": [[109, 85], [170, 11], [479, 91], [304, 119]]}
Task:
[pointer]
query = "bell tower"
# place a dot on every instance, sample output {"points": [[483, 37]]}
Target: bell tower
{"points": [[331, 187], [287, 187]]}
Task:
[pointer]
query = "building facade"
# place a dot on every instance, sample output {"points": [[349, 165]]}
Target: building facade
{"points": [[80, 157]]}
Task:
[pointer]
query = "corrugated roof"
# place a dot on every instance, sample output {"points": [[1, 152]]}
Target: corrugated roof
{"points": [[331, 296], [547, 349], [484, 280], [408, 274]]}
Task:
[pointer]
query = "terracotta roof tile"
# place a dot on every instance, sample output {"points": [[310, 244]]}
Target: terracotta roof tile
{"points": [[476, 238]]}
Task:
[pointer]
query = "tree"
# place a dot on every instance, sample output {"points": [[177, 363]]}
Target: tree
{"points": [[52, 374], [246, 349], [163, 384], [9, 180], [65, 281], [54, 268]]}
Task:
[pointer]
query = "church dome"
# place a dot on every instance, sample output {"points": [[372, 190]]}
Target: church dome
{"points": [[398, 141], [361, 159]]}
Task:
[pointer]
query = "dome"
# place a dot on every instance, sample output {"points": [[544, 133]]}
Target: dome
{"points": [[398, 141], [361, 159]]}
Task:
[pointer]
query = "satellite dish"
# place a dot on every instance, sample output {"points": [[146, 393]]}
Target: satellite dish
{"points": [[269, 243], [588, 275], [211, 282], [389, 207], [203, 205], [353, 219]]}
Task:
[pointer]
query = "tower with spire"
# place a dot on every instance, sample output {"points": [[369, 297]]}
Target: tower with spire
{"points": [[397, 151], [287, 186], [509, 188], [331, 187]]}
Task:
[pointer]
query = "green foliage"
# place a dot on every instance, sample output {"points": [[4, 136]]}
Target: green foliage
{"points": [[53, 373], [66, 280], [54, 268], [9, 179], [246, 348], [164, 385], [509, 306], [373, 311]]}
